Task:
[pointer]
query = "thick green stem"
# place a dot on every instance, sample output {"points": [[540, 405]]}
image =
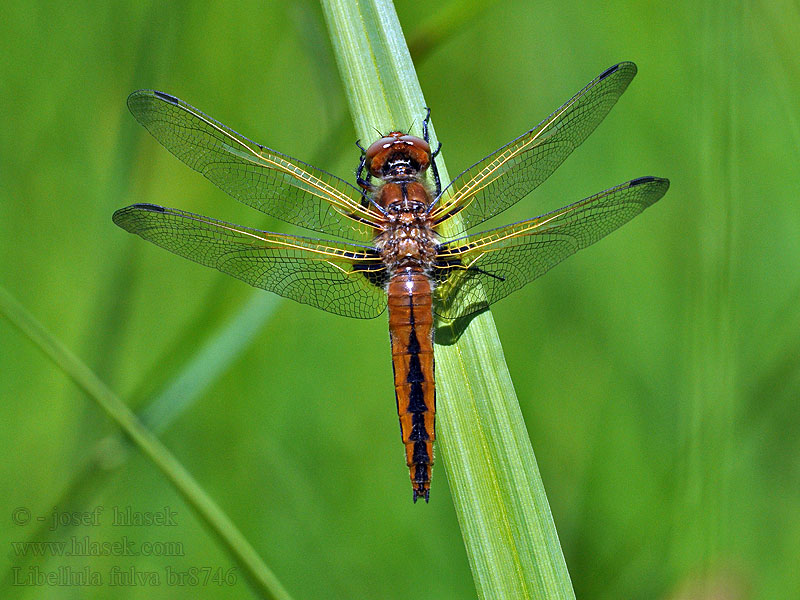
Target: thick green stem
{"points": [[505, 519]]}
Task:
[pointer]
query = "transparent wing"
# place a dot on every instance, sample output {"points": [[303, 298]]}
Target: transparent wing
{"points": [[477, 270], [278, 185], [345, 279], [507, 175]]}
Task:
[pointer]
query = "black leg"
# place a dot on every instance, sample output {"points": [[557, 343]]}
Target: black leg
{"points": [[435, 169], [427, 137], [364, 183]]}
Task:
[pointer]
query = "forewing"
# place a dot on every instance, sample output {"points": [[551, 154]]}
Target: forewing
{"points": [[507, 175], [276, 184], [345, 279], [478, 270]]}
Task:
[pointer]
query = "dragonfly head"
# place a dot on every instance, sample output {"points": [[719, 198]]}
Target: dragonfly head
{"points": [[398, 156]]}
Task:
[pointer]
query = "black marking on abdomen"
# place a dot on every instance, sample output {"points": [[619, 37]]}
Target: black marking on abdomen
{"points": [[416, 404], [418, 431], [413, 342], [421, 453], [414, 369], [416, 399]]}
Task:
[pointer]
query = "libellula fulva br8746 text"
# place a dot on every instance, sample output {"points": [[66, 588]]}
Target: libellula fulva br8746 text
{"points": [[394, 255]]}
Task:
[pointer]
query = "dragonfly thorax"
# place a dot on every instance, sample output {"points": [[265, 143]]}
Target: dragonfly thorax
{"points": [[407, 246], [407, 238]]}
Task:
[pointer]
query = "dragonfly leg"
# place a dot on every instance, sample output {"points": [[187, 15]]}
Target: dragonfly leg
{"points": [[427, 137], [435, 169], [366, 184]]}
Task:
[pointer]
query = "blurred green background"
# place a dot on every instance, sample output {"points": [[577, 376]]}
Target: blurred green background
{"points": [[658, 371]]}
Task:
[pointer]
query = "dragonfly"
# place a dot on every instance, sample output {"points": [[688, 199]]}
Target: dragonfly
{"points": [[389, 249]]}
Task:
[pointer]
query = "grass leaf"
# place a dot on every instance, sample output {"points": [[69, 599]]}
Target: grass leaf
{"points": [[240, 549], [502, 509]]}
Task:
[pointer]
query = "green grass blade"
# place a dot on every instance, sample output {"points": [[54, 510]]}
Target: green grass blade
{"points": [[505, 519], [240, 549], [212, 359]]}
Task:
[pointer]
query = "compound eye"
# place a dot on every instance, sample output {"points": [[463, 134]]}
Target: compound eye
{"points": [[376, 148], [412, 140]]}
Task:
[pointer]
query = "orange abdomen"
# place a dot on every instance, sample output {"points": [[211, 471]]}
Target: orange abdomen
{"points": [[411, 333]]}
